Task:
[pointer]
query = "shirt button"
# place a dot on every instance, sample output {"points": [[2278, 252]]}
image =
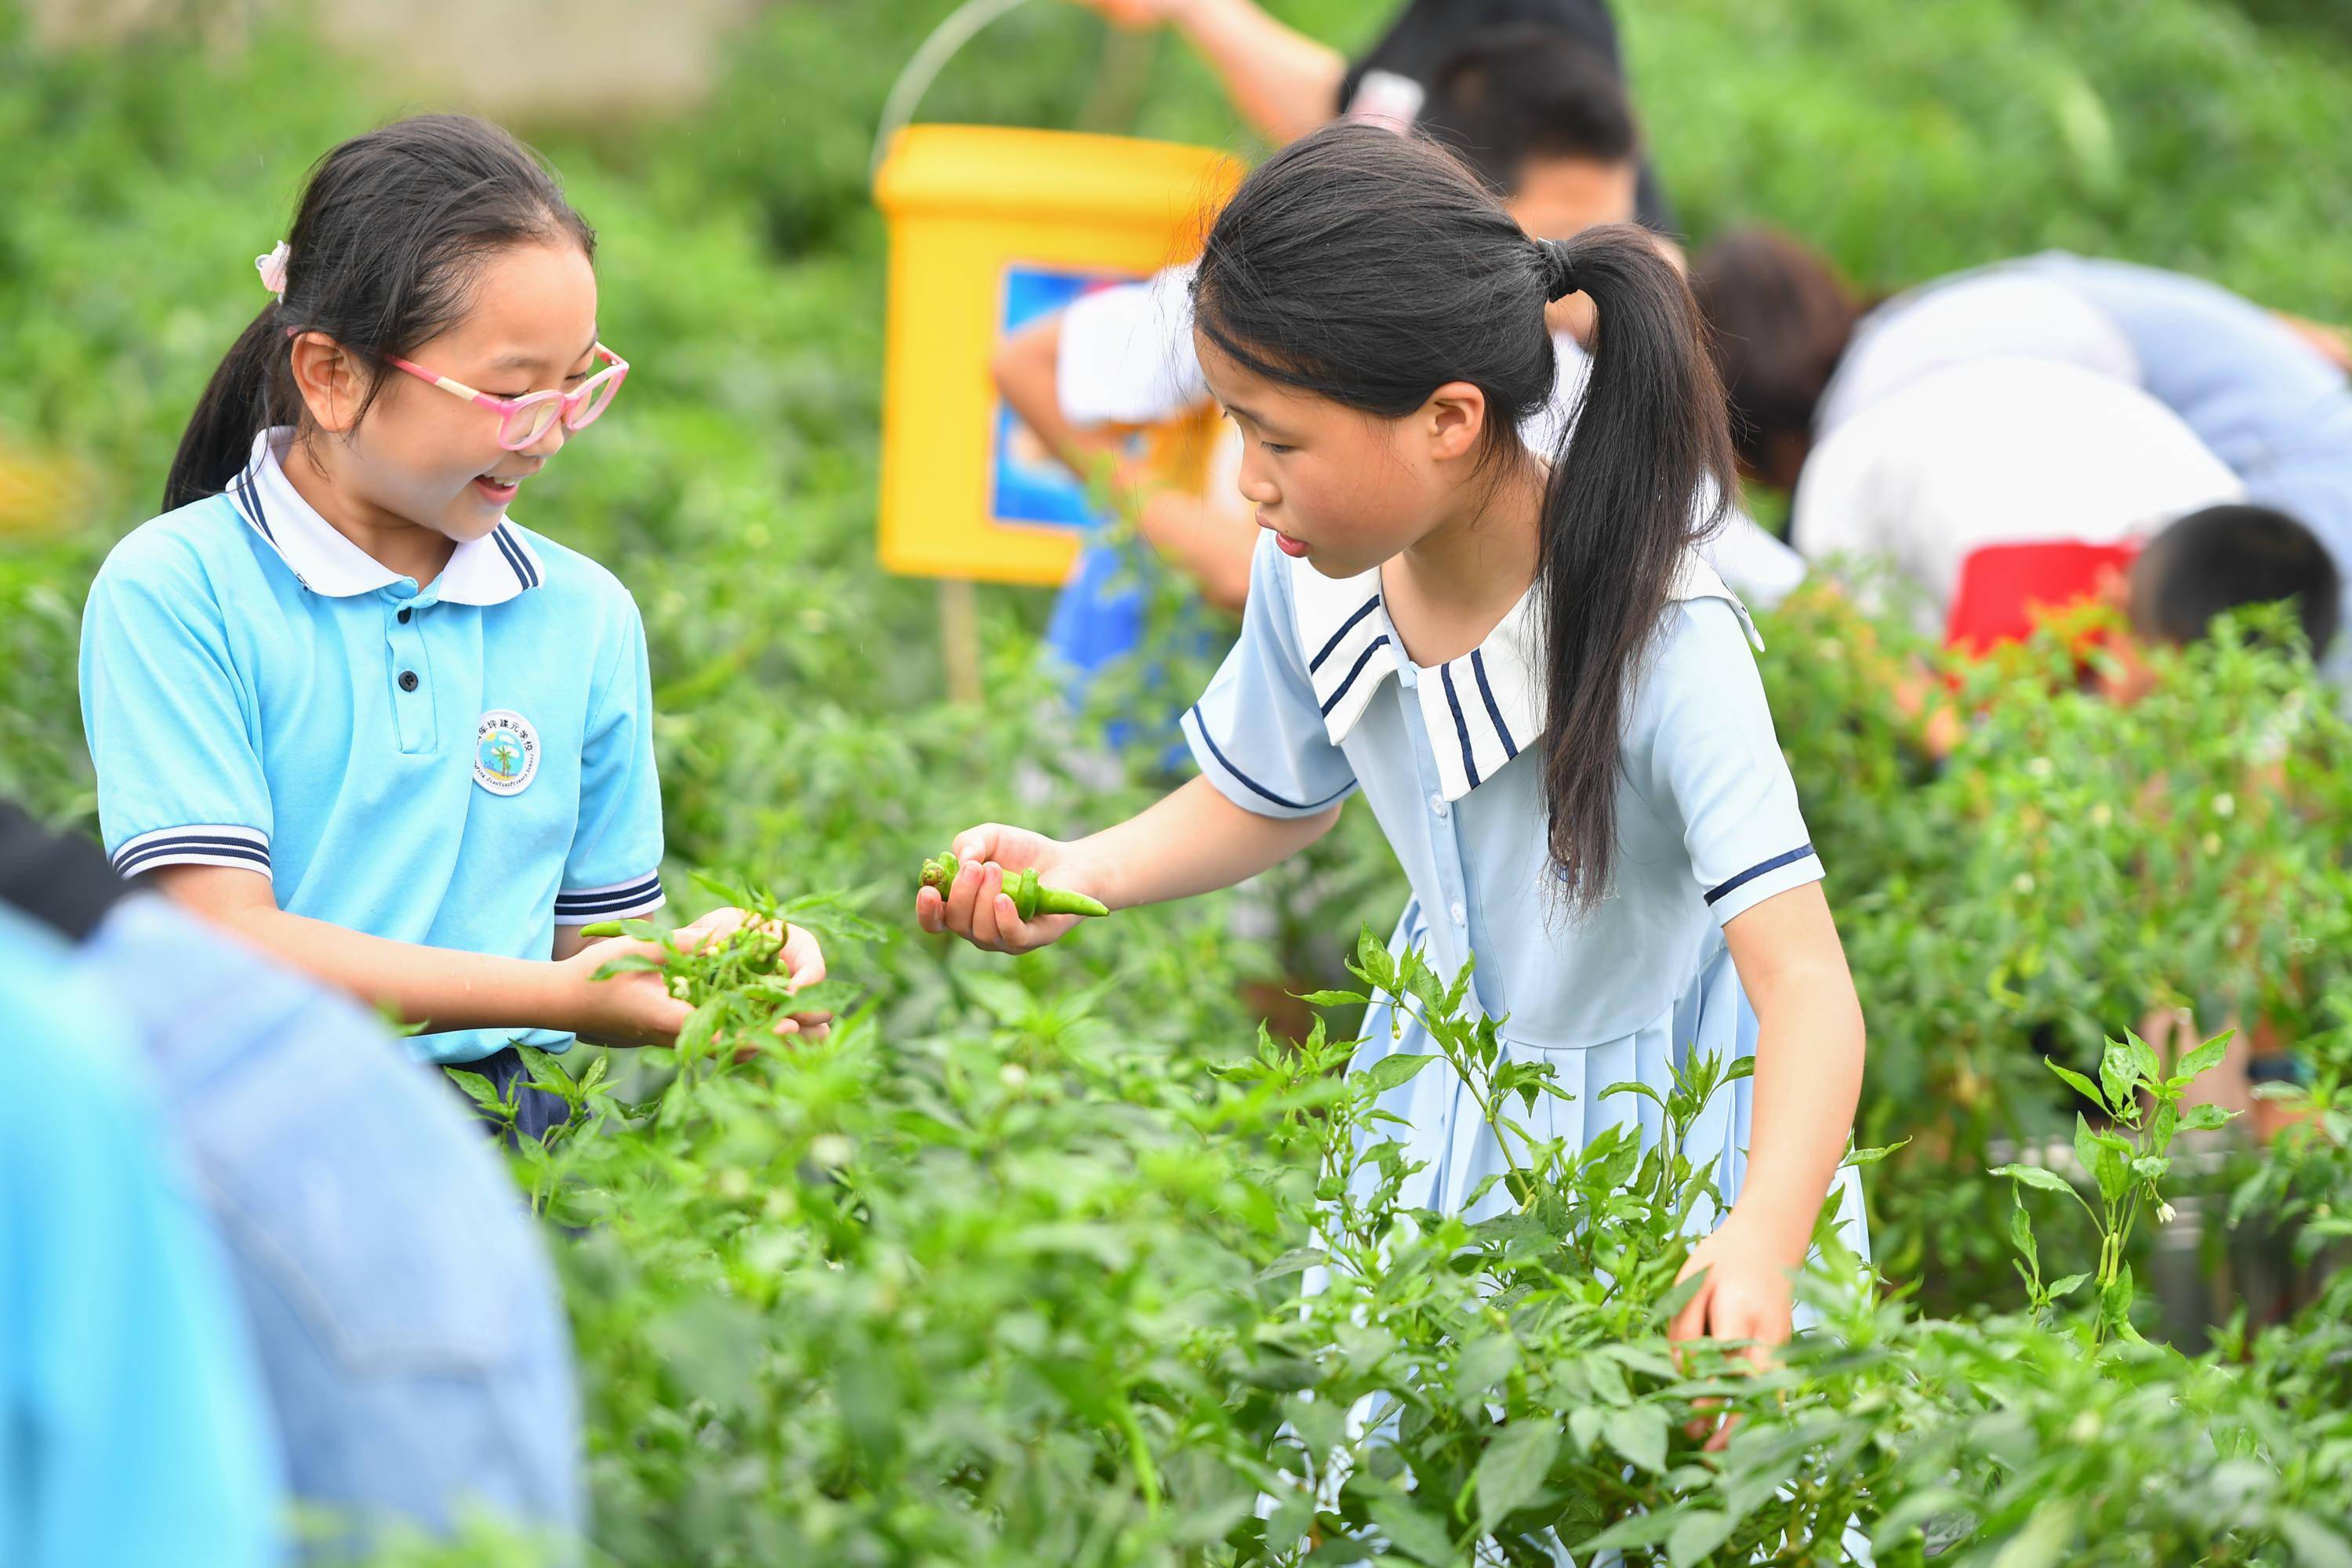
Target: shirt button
{"points": [[408, 683], [1461, 915], [404, 613], [1438, 807]]}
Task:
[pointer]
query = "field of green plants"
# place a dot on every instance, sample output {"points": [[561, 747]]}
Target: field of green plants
{"points": [[1057, 1260]]}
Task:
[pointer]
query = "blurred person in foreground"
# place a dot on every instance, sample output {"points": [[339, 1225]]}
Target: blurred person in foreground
{"points": [[133, 1427], [379, 1274]]}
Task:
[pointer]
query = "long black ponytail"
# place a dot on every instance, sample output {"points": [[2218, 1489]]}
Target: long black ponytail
{"points": [[389, 233], [1371, 268]]}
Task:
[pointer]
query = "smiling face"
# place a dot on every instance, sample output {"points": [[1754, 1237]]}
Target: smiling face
{"points": [[1344, 490], [427, 459]]}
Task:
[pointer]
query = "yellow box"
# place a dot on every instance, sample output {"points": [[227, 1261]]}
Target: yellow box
{"points": [[990, 227]]}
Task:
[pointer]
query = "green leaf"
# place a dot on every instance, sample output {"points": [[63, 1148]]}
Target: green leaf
{"points": [[1390, 1071], [2315, 1544], [2115, 1302], [1696, 1537], [2079, 1084], [1483, 1363], [1297, 1260], [1638, 1432], [2062, 1288], [1512, 1469], [2119, 1075], [2041, 1177], [477, 1089], [1333, 998], [2044, 1539], [2204, 1118], [1416, 1531], [2207, 1056]]}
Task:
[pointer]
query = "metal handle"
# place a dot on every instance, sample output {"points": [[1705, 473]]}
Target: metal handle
{"points": [[923, 66]]}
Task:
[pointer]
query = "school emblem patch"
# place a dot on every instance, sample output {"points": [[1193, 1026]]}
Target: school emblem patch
{"points": [[506, 752]]}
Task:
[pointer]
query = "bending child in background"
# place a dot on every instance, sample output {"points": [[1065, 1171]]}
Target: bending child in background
{"points": [[1546, 696], [2007, 484], [1286, 83], [1801, 359], [339, 701]]}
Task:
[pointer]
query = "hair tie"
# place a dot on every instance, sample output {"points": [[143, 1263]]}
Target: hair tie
{"points": [[1559, 271], [272, 269]]}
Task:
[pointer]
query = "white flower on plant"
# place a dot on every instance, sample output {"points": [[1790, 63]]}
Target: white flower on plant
{"points": [[1012, 1076], [831, 1150], [2164, 1213], [2225, 803], [2100, 814], [2039, 767], [2023, 884]]}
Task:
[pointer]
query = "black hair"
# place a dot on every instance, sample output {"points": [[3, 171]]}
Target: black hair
{"points": [[389, 234], [1781, 318], [1513, 94], [2224, 557], [1371, 268]]}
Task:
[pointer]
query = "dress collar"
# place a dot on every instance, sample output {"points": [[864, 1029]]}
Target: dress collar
{"points": [[485, 571], [1480, 710]]}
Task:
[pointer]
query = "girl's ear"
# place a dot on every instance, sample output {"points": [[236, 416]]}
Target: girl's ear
{"points": [[1454, 418], [331, 380]]}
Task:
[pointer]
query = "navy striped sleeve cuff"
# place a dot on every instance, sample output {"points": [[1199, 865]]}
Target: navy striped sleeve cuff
{"points": [[1238, 786], [620, 901], [1737, 895], [202, 844]]}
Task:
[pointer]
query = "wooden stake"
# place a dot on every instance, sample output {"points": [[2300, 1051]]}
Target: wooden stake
{"points": [[960, 638]]}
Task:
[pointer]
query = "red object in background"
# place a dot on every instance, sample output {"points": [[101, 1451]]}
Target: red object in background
{"points": [[2004, 588]]}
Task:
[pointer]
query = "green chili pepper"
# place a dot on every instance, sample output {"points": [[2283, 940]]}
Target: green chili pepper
{"points": [[1030, 899]]}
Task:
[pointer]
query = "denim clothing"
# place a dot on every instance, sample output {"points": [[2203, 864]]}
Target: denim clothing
{"points": [[133, 1429], [409, 1331]]}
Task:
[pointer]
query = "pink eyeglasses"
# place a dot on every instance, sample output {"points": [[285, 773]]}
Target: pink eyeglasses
{"points": [[523, 420]]}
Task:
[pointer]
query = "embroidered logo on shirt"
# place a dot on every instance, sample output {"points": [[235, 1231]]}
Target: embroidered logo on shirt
{"points": [[506, 752]]}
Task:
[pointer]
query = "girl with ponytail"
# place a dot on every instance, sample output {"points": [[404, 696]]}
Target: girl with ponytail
{"points": [[339, 698], [1550, 701]]}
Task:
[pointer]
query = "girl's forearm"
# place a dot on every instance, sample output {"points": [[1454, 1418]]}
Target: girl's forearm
{"points": [[1283, 81], [1192, 841], [429, 986], [1809, 1057]]}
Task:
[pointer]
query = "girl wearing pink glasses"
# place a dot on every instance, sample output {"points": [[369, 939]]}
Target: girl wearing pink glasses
{"points": [[339, 700]]}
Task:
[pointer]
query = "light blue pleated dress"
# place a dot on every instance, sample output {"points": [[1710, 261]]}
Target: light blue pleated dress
{"points": [[1318, 700]]}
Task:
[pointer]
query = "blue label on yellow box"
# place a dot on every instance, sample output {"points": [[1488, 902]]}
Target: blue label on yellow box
{"points": [[1027, 483]]}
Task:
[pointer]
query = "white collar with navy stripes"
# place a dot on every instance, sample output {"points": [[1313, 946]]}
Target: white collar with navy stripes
{"points": [[485, 571], [1481, 710]]}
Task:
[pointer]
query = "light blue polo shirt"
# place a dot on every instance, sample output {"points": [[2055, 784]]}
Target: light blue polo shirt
{"points": [[465, 764]]}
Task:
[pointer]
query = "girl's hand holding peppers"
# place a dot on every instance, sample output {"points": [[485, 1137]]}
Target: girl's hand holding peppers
{"points": [[992, 873]]}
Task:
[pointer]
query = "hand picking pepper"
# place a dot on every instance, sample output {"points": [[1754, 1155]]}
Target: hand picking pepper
{"points": [[1029, 898]]}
